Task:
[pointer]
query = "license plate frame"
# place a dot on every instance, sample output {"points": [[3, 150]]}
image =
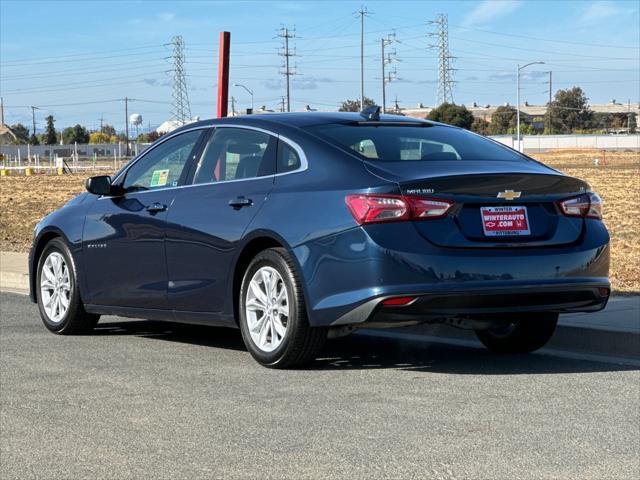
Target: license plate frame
{"points": [[505, 221]]}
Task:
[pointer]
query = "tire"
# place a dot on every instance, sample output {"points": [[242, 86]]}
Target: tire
{"points": [[74, 319], [524, 334], [279, 340]]}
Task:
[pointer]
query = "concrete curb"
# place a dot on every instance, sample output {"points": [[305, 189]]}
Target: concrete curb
{"points": [[14, 282]]}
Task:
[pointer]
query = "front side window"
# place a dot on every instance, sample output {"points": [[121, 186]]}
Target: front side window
{"points": [[236, 154], [163, 166], [422, 142]]}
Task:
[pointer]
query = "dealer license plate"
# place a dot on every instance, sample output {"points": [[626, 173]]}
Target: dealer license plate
{"points": [[505, 221]]}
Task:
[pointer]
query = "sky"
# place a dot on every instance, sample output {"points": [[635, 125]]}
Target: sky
{"points": [[78, 60]]}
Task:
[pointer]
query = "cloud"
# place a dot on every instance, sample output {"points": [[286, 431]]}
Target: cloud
{"points": [[598, 11], [166, 16], [524, 75], [489, 10], [304, 82], [152, 82]]}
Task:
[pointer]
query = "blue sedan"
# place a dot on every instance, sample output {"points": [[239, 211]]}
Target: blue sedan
{"points": [[298, 227]]}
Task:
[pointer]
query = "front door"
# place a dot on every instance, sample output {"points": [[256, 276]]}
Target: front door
{"points": [[207, 220], [124, 236]]}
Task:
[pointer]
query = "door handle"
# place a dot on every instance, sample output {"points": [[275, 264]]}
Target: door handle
{"points": [[240, 202], [156, 207]]}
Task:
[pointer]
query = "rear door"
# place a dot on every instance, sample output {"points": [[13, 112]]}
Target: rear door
{"points": [[231, 181]]}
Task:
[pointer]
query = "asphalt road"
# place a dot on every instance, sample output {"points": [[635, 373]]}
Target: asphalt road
{"points": [[151, 400]]}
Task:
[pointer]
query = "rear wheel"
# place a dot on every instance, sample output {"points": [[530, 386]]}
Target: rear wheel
{"points": [[273, 317], [59, 301], [525, 333]]}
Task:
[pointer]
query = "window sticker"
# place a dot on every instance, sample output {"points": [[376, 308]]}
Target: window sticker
{"points": [[159, 178]]}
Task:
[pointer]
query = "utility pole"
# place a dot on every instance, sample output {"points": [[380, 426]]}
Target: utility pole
{"points": [[363, 12], [550, 100], [518, 100], [282, 104], [1, 112], [33, 118], [233, 106], [287, 34], [180, 105], [126, 124], [445, 59], [101, 119], [384, 42]]}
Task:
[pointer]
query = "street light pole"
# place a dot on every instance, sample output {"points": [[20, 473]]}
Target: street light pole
{"points": [[250, 92], [518, 100]]}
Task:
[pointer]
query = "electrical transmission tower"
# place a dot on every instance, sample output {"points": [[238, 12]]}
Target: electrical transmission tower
{"points": [[181, 110], [285, 34], [445, 71]]}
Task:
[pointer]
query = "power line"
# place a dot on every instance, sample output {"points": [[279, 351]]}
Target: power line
{"points": [[445, 71], [181, 110]]}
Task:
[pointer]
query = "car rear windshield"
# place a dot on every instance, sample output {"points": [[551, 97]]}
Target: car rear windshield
{"points": [[395, 143]]}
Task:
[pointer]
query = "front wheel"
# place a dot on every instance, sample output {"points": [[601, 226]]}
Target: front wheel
{"points": [[524, 333], [273, 317], [58, 297]]}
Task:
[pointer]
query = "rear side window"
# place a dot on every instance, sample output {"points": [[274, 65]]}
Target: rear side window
{"points": [[236, 154], [288, 158], [391, 143]]}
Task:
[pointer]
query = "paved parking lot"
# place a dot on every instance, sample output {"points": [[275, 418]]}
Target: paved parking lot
{"points": [[151, 400]]}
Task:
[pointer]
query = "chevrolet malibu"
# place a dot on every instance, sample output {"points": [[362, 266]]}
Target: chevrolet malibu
{"points": [[298, 227]]}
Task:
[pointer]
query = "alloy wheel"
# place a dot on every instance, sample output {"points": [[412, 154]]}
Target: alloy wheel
{"points": [[55, 287], [267, 309]]}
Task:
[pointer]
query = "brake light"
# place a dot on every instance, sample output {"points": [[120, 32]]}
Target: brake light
{"points": [[587, 205], [374, 208], [377, 208]]}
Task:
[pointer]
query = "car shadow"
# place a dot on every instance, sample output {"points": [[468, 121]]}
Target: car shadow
{"points": [[365, 352]]}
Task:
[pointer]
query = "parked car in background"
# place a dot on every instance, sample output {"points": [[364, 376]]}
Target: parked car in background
{"points": [[296, 227]]}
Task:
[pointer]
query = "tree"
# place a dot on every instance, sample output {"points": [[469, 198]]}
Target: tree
{"points": [[504, 120], [452, 114], [76, 133], [633, 123], [570, 111], [108, 130], [50, 132], [480, 126], [97, 137], [354, 105], [33, 139], [21, 132]]}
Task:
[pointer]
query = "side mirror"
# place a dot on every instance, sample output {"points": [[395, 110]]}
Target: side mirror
{"points": [[100, 185]]}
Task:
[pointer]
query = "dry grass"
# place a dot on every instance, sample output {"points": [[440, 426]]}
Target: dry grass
{"points": [[25, 200]]}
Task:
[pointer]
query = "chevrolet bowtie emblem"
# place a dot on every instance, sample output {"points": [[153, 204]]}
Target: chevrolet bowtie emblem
{"points": [[509, 194]]}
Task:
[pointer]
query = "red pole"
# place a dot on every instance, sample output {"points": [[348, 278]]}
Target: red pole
{"points": [[223, 73]]}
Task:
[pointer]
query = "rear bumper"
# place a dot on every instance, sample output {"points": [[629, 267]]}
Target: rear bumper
{"points": [[346, 276], [557, 298]]}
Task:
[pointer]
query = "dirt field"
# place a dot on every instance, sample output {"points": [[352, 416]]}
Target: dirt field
{"points": [[25, 200]]}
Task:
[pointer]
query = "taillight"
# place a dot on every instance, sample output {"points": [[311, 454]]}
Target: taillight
{"points": [[428, 207], [587, 205], [377, 208], [374, 208]]}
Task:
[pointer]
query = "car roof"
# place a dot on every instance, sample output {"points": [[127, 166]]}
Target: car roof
{"points": [[304, 119]]}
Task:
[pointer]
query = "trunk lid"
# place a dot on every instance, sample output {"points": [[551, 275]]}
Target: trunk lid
{"points": [[476, 188]]}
